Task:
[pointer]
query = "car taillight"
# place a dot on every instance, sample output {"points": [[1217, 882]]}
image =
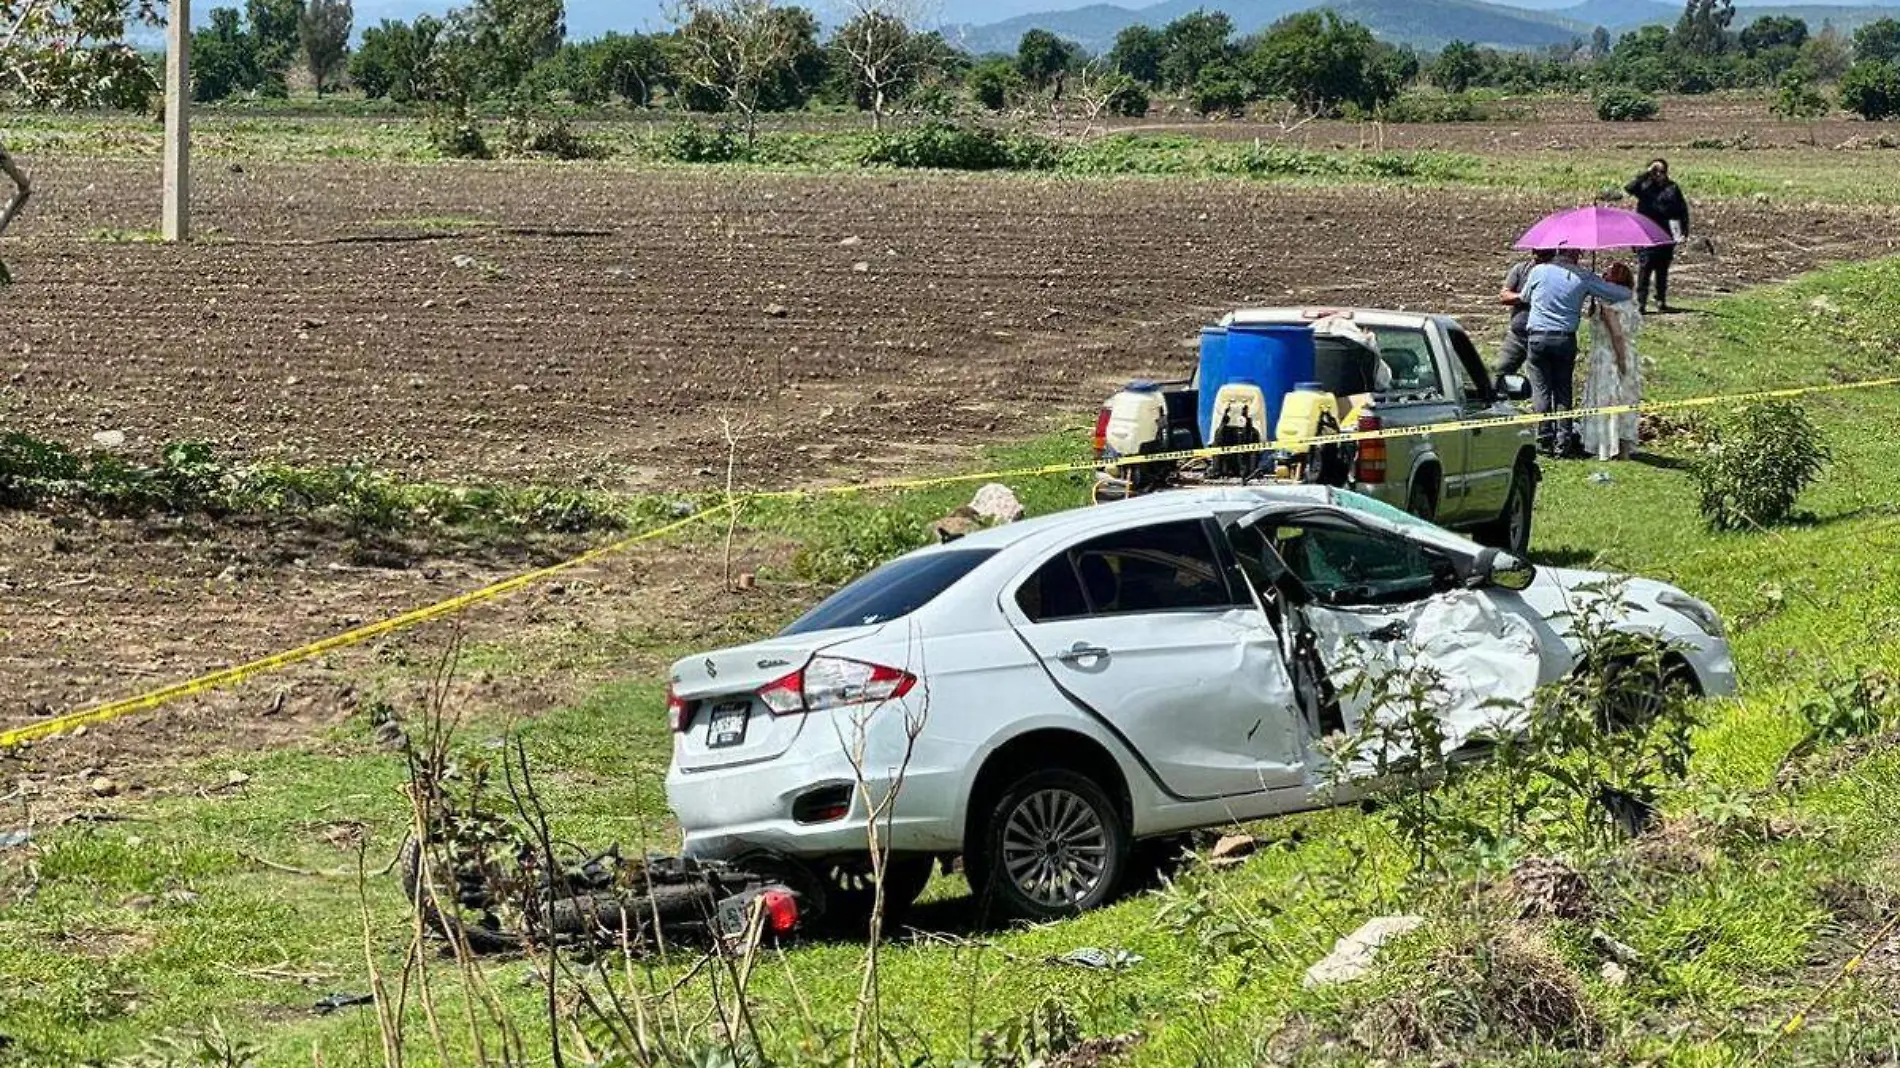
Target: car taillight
{"points": [[780, 909], [1101, 432], [830, 682], [675, 710], [1371, 467]]}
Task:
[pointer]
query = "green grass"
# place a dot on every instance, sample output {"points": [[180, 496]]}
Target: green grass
{"points": [[1782, 175], [1729, 945]]}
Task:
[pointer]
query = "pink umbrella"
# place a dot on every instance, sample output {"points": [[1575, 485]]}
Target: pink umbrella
{"points": [[1593, 228]]}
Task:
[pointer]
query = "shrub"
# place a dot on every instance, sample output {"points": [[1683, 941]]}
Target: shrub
{"points": [[1756, 463], [1623, 104], [993, 83], [1428, 108], [939, 145], [1797, 98], [556, 139], [1220, 90], [1129, 100], [1872, 90], [458, 136], [689, 142]]}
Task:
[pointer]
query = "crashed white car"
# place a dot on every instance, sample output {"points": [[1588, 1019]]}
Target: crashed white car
{"points": [[1054, 691]]}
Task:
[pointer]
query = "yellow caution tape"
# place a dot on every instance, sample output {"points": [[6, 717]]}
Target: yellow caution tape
{"points": [[232, 675], [1800, 1018]]}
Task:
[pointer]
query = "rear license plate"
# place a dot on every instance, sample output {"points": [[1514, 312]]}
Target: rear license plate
{"points": [[726, 727]]}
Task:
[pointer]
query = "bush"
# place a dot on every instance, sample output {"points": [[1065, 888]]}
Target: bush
{"points": [[1429, 108], [689, 142], [1797, 98], [1756, 463], [939, 145], [1220, 90], [1623, 104], [458, 136], [556, 139], [993, 83], [1129, 100], [1872, 90]]}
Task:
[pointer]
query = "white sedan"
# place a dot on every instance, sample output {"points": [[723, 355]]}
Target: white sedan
{"points": [[1046, 694]]}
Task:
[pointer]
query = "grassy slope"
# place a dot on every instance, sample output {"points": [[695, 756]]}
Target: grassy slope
{"points": [[103, 953]]}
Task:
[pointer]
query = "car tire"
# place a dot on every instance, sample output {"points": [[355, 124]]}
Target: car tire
{"points": [[1511, 530], [1051, 845]]}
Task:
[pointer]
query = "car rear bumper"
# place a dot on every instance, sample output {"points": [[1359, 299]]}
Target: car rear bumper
{"points": [[726, 812]]}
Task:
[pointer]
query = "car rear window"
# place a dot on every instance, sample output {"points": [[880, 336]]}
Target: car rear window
{"points": [[891, 592]]}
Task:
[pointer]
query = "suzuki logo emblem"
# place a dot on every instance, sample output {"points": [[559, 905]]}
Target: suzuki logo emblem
{"points": [[712, 669]]}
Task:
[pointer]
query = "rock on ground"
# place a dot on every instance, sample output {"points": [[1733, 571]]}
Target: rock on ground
{"points": [[1354, 955]]}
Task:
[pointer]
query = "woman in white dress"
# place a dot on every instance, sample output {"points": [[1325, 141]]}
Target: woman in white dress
{"points": [[1616, 372]]}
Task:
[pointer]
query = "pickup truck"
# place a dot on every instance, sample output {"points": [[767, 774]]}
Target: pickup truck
{"points": [[1479, 480]]}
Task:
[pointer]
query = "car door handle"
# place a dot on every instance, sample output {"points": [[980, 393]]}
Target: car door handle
{"points": [[1081, 651]]}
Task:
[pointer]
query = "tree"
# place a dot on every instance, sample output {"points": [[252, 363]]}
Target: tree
{"points": [[1796, 99], [1320, 61], [1827, 55], [1600, 44], [325, 35], [1220, 90], [1458, 67], [628, 66], [68, 53], [223, 58], [506, 38], [274, 28], [395, 59], [1137, 53], [1871, 89], [1772, 32], [1191, 44], [742, 54], [1703, 28], [1041, 56], [993, 82], [878, 52], [1878, 41]]}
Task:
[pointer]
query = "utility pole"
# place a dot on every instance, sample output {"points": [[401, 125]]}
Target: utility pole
{"points": [[177, 222]]}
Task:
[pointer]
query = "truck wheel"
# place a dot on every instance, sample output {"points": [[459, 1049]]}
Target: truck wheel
{"points": [[1511, 531], [1053, 844]]}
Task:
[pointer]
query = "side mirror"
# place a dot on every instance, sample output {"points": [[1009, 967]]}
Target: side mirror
{"points": [[1515, 387], [1500, 570]]}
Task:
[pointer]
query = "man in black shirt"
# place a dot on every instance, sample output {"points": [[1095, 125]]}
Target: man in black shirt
{"points": [[1517, 338], [1659, 200]]}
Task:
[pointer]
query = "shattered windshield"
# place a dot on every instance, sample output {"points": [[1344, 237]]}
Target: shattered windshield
{"points": [[1406, 521]]}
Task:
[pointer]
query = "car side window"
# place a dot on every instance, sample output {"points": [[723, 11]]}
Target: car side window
{"points": [[1408, 354], [1344, 566], [1469, 367], [1168, 567]]}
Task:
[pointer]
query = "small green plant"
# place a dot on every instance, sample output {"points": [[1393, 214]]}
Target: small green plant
{"points": [[690, 142], [1848, 706], [457, 135], [837, 557], [1623, 104], [939, 145], [1755, 465]]}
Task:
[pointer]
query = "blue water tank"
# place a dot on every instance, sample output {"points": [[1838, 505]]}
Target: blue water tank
{"points": [[1276, 358], [1213, 369]]}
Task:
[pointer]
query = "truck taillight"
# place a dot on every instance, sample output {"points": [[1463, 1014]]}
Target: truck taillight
{"points": [[1371, 467], [830, 682], [675, 710], [1101, 432]]}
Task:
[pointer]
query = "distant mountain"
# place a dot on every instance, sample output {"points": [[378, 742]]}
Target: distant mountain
{"points": [[1624, 14], [1423, 23]]}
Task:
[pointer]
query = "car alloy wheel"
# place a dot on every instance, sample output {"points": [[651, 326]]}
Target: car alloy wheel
{"points": [[1055, 848]]}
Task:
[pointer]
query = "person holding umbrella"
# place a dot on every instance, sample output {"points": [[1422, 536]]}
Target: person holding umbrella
{"points": [[1557, 292], [1658, 199]]}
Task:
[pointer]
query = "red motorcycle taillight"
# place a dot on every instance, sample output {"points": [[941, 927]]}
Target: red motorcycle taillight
{"points": [[780, 909]]}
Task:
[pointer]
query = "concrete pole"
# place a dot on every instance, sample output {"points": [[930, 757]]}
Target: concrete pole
{"points": [[177, 222]]}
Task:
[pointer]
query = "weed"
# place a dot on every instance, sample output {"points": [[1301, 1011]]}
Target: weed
{"points": [[690, 142], [1623, 104], [1756, 464], [940, 145]]}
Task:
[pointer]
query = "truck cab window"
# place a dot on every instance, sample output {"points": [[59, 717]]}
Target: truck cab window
{"points": [[1408, 353]]}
